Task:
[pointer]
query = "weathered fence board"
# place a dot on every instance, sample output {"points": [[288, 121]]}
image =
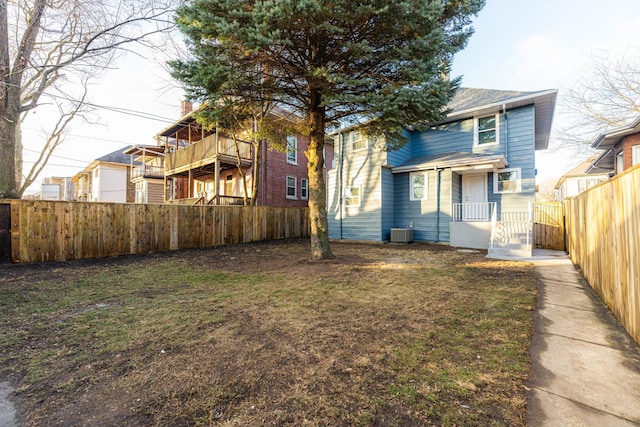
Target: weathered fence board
{"points": [[53, 231], [548, 226], [603, 239]]}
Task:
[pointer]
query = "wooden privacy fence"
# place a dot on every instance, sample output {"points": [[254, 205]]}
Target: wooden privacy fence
{"points": [[548, 226], [603, 239], [54, 231]]}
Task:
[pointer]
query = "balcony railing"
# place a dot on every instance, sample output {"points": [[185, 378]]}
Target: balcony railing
{"points": [[473, 212], [218, 200], [206, 151], [147, 171]]}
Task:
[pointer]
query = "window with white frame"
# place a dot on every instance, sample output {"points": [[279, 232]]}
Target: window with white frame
{"points": [[292, 150], [635, 154], [352, 196], [292, 188], [357, 141], [620, 162], [487, 130], [507, 181], [141, 192], [304, 188], [418, 186]]}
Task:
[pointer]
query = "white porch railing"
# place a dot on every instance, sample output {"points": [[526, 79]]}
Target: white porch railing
{"points": [[513, 233], [473, 212]]}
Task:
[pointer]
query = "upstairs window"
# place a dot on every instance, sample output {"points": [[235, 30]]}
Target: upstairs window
{"points": [[357, 142], [507, 181], [418, 186], [292, 150], [487, 130]]}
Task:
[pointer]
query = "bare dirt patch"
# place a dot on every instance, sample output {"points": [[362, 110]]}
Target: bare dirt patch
{"points": [[257, 334]]}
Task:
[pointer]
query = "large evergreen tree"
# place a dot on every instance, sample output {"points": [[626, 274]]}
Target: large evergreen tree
{"points": [[382, 62]]}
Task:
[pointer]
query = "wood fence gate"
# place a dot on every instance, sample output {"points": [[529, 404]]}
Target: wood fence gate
{"points": [[548, 226]]}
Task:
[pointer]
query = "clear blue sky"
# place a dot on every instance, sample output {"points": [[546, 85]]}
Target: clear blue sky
{"points": [[518, 45], [544, 44]]}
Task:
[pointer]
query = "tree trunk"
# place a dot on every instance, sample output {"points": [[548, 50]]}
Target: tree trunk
{"points": [[19, 160], [8, 185], [320, 248]]}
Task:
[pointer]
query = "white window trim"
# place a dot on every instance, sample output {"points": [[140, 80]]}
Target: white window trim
{"points": [[292, 140], [353, 137], [619, 161], [295, 187], [426, 185], [476, 131], [635, 154], [518, 181], [347, 190], [304, 187]]}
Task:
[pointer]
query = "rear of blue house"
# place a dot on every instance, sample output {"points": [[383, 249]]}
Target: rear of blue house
{"points": [[468, 181]]}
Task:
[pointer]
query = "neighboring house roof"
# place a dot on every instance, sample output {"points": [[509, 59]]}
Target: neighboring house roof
{"points": [[584, 168], [608, 140], [115, 157], [451, 160], [144, 150]]}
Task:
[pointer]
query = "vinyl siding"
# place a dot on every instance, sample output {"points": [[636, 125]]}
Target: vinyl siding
{"points": [[362, 169], [519, 149], [424, 213], [388, 205], [398, 157], [457, 136], [456, 188]]}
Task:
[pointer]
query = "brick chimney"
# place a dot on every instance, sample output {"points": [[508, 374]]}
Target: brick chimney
{"points": [[186, 107]]}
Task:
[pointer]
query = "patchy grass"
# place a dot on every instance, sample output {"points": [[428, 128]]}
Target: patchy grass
{"points": [[258, 335]]}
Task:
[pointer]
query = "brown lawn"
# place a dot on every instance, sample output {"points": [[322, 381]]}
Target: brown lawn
{"points": [[256, 334]]}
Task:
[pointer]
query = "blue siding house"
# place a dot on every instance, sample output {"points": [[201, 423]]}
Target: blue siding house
{"points": [[468, 181]]}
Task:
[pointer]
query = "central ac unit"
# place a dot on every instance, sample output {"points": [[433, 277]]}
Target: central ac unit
{"points": [[401, 235]]}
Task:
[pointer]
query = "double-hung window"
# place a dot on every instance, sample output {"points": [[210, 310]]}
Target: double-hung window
{"points": [[418, 186], [304, 188], [292, 188], [352, 196], [635, 154], [357, 141], [507, 181], [292, 150], [487, 130]]}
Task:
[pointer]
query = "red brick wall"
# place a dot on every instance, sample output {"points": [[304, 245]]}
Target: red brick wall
{"points": [[272, 190], [625, 145]]}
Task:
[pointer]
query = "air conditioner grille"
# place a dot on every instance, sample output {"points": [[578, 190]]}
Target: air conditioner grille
{"points": [[401, 235]]}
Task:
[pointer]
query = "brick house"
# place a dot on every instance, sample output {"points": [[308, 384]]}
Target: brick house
{"points": [[621, 145], [206, 166]]}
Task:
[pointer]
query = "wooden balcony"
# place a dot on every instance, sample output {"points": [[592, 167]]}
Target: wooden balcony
{"points": [[206, 152], [147, 171]]}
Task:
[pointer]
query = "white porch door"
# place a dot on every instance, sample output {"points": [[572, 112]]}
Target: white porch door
{"points": [[474, 198]]}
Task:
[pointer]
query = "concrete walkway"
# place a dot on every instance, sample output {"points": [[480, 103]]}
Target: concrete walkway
{"points": [[586, 368]]}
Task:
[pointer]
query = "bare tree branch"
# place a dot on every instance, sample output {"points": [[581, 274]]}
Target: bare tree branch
{"points": [[604, 97]]}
